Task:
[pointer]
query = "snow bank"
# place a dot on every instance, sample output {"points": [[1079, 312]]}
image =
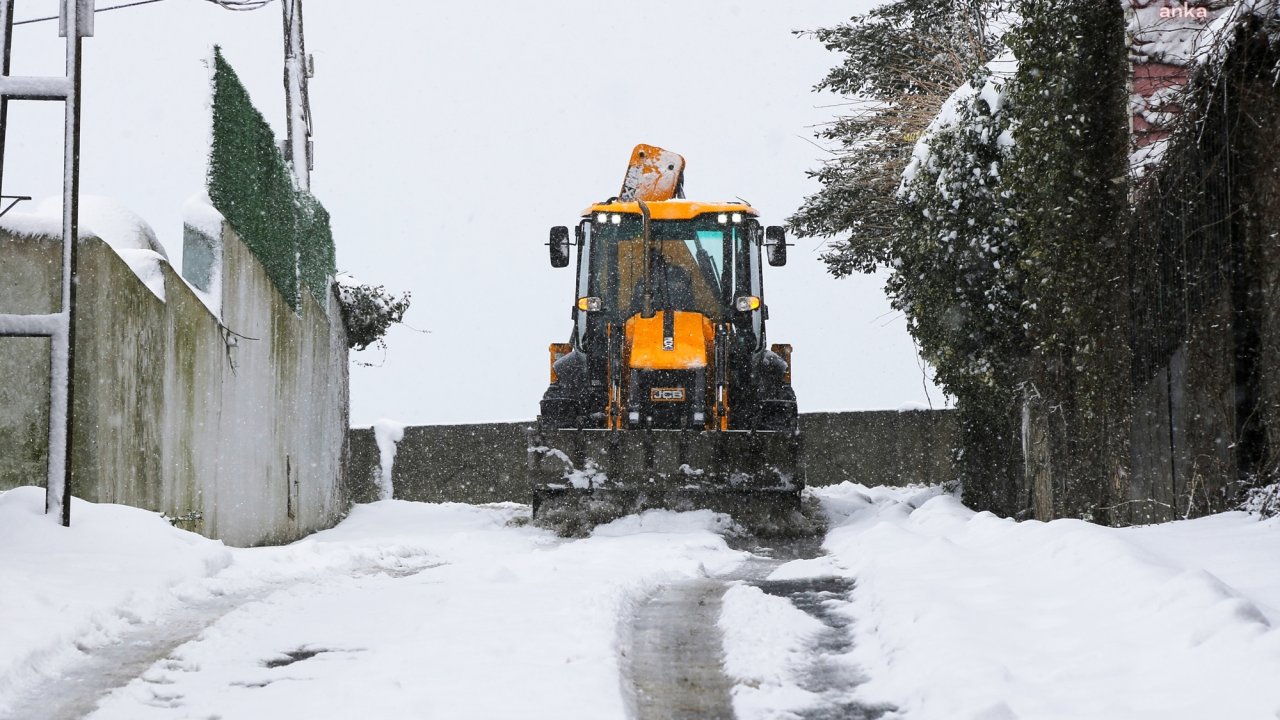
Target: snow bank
{"points": [[667, 521], [69, 590], [959, 614], [766, 642]]}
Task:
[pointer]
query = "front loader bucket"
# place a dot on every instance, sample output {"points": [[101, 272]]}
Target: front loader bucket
{"points": [[736, 472]]}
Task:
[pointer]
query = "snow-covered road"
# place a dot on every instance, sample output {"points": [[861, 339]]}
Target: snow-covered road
{"points": [[919, 608]]}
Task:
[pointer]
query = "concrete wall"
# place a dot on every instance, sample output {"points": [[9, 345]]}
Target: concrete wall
{"points": [[29, 285], [486, 463], [239, 425], [879, 447]]}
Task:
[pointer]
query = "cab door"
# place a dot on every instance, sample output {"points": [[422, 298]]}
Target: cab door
{"points": [[748, 282]]}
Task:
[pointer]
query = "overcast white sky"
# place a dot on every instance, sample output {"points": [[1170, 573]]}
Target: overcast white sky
{"points": [[451, 136]]}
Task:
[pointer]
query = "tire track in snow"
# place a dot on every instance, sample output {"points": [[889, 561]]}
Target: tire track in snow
{"points": [[673, 656], [77, 691], [85, 682]]}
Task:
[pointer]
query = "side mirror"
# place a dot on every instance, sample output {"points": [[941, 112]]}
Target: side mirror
{"points": [[559, 246], [775, 239]]}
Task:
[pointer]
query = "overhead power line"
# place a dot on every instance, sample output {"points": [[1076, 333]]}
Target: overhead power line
{"points": [[237, 5], [240, 4]]}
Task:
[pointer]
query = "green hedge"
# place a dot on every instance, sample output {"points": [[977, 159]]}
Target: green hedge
{"points": [[315, 246], [249, 183]]}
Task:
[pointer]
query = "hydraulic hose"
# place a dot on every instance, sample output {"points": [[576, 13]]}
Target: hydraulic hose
{"points": [[647, 309]]}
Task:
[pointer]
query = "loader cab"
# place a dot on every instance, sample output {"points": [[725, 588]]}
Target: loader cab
{"points": [[708, 263]]}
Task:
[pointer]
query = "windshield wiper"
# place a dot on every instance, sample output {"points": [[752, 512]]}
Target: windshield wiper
{"points": [[704, 263]]}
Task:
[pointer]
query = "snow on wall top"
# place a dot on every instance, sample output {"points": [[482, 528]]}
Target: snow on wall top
{"points": [[199, 213], [119, 227], [1169, 31], [111, 222], [37, 224], [148, 265]]}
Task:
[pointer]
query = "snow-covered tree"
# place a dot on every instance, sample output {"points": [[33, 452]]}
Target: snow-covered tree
{"points": [[958, 277], [900, 62], [1005, 235]]}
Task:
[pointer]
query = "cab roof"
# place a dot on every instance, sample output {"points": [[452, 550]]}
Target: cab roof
{"points": [[672, 209]]}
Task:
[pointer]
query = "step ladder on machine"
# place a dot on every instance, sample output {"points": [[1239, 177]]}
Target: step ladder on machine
{"points": [[59, 326]]}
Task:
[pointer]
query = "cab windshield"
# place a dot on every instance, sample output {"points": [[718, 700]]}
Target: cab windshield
{"points": [[697, 265]]}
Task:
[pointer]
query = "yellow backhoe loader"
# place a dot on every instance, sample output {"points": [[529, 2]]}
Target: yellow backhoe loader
{"points": [[668, 393]]}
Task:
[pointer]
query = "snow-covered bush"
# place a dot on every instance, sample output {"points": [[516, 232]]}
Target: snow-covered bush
{"points": [[959, 280], [1263, 501], [368, 311]]}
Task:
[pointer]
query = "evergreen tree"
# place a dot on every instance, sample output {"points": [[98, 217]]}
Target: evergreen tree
{"points": [[901, 60]]}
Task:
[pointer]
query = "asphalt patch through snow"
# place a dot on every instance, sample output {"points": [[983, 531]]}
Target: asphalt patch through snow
{"points": [[673, 653], [818, 597]]}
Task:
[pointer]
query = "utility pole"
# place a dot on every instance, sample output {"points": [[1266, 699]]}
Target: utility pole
{"points": [[6, 46], [59, 327], [297, 69]]}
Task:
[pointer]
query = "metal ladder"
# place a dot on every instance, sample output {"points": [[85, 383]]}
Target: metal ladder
{"points": [[59, 327]]}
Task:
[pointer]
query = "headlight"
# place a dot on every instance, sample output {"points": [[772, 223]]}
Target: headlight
{"points": [[590, 304], [746, 303]]}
